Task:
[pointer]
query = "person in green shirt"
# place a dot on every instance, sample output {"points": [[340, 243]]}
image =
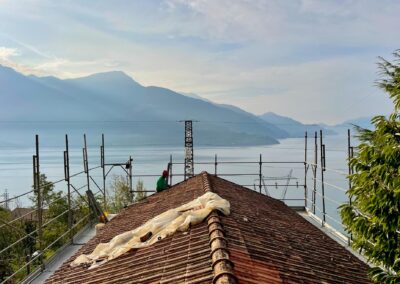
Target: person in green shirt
{"points": [[162, 182]]}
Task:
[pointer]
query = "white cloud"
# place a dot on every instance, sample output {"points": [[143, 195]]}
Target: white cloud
{"points": [[295, 57], [291, 22], [329, 90], [52, 65], [7, 52], [65, 68]]}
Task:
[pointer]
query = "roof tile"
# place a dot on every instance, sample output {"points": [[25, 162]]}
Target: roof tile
{"points": [[181, 258], [277, 245], [266, 241]]}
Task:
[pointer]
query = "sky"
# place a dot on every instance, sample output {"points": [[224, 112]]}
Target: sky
{"points": [[315, 61]]}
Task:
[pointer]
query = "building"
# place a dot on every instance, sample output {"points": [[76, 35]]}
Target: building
{"points": [[26, 214], [261, 241]]}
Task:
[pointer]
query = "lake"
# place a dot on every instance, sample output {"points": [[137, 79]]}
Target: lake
{"points": [[16, 167]]}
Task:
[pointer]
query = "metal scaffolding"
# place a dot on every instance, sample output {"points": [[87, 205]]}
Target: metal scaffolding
{"points": [[125, 166], [189, 163], [317, 191]]}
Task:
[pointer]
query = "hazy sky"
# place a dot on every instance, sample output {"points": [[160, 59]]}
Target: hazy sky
{"points": [[312, 60]]}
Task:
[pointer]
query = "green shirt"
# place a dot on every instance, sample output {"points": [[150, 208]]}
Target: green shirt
{"points": [[162, 183]]}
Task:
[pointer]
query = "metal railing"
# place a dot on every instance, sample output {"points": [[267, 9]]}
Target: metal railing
{"points": [[258, 177], [304, 192], [320, 187], [314, 200], [78, 212]]}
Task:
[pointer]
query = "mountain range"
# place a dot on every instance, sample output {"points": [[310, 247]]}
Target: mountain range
{"points": [[133, 114], [292, 127]]}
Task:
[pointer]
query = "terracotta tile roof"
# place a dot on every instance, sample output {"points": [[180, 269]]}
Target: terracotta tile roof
{"points": [[262, 241], [270, 243]]}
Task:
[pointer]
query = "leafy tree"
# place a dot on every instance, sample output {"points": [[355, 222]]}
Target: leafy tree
{"points": [[56, 209], [55, 206], [121, 195], [373, 217], [47, 191], [7, 237], [13, 257], [80, 211], [29, 243], [140, 191]]}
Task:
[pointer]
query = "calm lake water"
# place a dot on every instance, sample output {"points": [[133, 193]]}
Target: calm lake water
{"points": [[16, 168]]}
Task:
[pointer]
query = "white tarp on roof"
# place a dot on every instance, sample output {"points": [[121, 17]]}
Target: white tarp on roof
{"points": [[158, 228]]}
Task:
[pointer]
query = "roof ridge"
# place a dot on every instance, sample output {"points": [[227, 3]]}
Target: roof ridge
{"points": [[221, 264], [270, 199], [206, 182]]}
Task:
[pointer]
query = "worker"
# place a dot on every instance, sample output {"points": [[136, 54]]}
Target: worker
{"points": [[162, 182]]}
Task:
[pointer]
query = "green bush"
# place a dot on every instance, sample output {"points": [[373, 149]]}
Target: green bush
{"points": [[373, 217]]}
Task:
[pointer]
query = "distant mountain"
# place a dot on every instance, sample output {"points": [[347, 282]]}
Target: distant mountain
{"points": [[364, 122], [293, 127], [195, 96], [242, 112], [114, 103]]}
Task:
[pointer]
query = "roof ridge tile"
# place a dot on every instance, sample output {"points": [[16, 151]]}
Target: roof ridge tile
{"points": [[206, 182], [221, 264]]}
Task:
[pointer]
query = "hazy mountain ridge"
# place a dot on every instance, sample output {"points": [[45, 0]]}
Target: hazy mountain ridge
{"points": [[114, 103], [146, 114], [242, 112], [299, 128], [294, 128], [364, 122]]}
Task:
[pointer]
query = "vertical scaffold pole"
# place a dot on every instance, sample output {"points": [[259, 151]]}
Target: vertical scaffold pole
{"points": [[349, 157], [323, 165], [86, 161], [260, 173], [305, 170], [314, 169], [67, 179], [130, 179], [170, 173], [36, 167], [102, 162], [189, 162], [215, 164]]}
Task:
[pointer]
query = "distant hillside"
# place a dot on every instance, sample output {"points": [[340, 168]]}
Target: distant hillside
{"points": [[293, 127], [195, 96], [114, 103], [364, 122]]}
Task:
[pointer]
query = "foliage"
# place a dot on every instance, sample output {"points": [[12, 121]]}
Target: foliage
{"points": [[7, 236], [13, 257], [121, 195], [55, 213], [373, 217], [140, 191], [80, 210], [47, 191], [55, 208]]}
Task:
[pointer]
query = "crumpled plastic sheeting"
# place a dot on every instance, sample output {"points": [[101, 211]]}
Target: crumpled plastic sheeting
{"points": [[161, 226]]}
